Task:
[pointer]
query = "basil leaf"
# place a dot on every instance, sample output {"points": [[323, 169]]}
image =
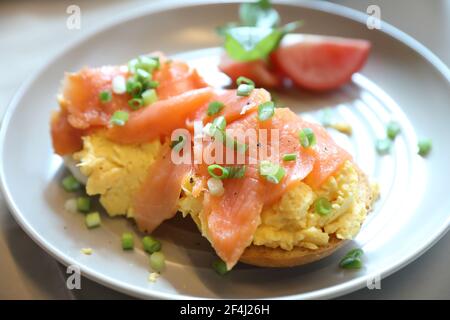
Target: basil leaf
{"points": [[259, 14], [251, 43]]}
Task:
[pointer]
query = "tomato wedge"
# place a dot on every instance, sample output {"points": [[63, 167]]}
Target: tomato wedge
{"points": [[320, 63]]}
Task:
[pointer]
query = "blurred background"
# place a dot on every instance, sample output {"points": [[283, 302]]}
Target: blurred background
{"points": [[32, 32]]}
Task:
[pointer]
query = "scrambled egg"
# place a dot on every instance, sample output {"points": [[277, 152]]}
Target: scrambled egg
{"points": [[292, 221], [115, 171]]}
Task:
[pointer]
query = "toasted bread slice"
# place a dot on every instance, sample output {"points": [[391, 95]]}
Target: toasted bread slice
{"points": [[263, 256]]}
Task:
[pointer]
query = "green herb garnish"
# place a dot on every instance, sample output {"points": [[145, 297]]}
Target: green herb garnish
{"points": [[392, 130], [352, 260], [214, 107], [271, 171], [307, 138], [220, 267], [383, 146], [424, 146], [257, 34], [105, 96], [290, 157], [322, 206], [127, 241], [119, 118], [266, 111]]}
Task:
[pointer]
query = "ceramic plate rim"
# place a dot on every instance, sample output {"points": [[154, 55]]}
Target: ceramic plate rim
{"points": [[94, 275]]}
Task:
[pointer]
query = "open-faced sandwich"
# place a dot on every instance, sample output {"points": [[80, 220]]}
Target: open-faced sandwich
{"points": [[264, 186]]}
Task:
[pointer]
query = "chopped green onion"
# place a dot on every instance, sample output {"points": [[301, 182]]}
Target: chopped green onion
{"points": [[290, 157], [322, 206], [134, 87], [127, 241], [356, 253], [220, 267], [214, 107], [132, 65], [392, 130], [220, 123], [136, 103], [83, 204], [244, 80], [307, 137], [149, 96], [236, 171], [152, 84], [119, 118], [224, 172], [275, 179], [424, 147], [352, 260], [119, 85], [142, 75], [351, 263], [70, 184], [147, 63], [267, 168], [272, 172], [150, 244], [105, 96], [212, 131], [383, 146], [157, 261], [244, 90], [266, 110], [93, 220], [215, 186]]}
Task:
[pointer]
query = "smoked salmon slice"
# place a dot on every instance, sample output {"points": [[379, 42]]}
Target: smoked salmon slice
{"points": [[81, 91], [175, 78], [160, 118], [234, 108], [233, 218], [66, 139], [158, 196], [329, 157], [82, 111], [80, 96]]}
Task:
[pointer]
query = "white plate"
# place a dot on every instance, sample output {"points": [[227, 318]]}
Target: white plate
{"points": [[402, 80]]}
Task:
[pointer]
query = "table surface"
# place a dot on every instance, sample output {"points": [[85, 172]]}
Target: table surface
{"points": [[31, 32]]}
